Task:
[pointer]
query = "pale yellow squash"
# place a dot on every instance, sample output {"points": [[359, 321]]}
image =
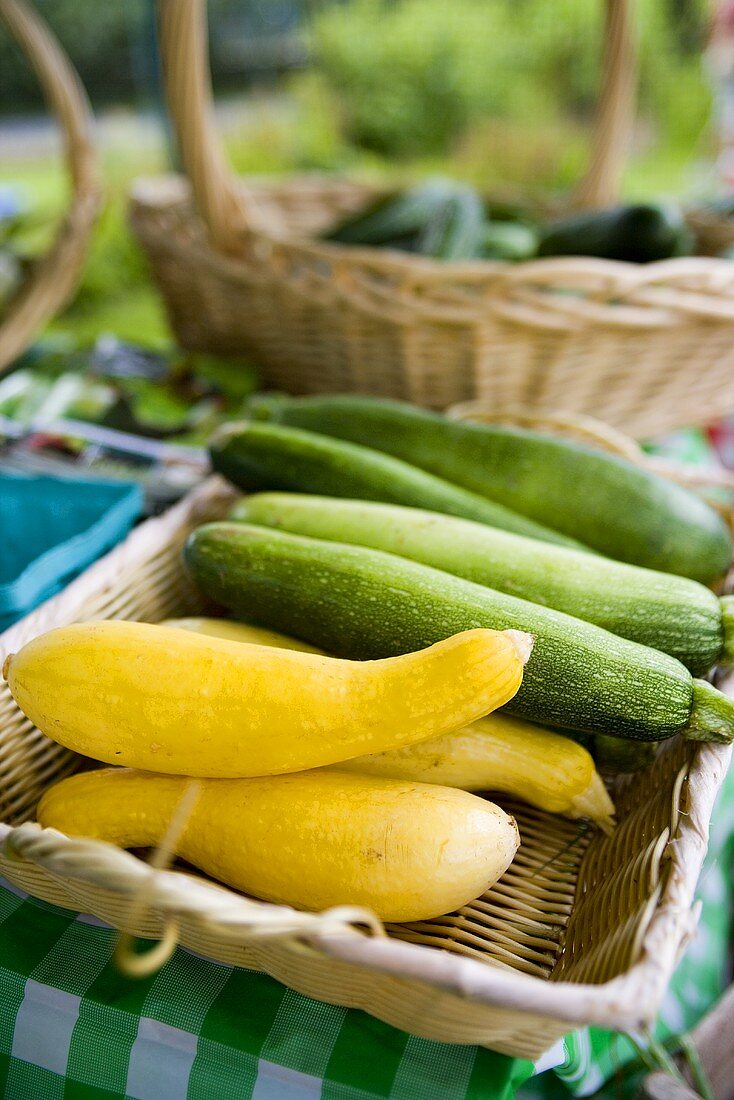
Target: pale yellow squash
{"points": [[174, 701], [502, 753], [240, 632], [497, 753], [408, 851]]}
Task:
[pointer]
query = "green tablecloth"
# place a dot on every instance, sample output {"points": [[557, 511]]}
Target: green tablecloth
{"points": [[72, 1027]]}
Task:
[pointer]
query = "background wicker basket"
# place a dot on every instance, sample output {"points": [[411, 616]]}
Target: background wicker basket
{"points": [[54, 277], [645, 347], [582, 929], [714, 232]]}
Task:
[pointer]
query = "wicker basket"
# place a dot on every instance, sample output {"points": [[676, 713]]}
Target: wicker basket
{"points": [[645, 347], [582, 928], [53, 278], [714, 232]]}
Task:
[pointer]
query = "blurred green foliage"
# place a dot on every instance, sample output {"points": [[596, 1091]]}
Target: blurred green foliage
{"points": [[413, 77]]}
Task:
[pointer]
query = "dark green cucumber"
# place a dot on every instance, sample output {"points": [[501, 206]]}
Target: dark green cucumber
{"points": [[455, 230], [601, 500], [512, 241], [393, 216], [673, 614], [364, 604], [268, 456], [614, 754], [638, 234]]}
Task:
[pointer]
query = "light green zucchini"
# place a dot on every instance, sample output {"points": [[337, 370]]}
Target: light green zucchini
{"points": [[673, 614]]}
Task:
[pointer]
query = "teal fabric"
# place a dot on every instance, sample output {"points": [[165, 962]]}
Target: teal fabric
{"points": [[51, 528]]}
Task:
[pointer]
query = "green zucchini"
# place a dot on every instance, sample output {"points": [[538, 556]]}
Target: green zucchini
{"points": [[616, 755], [603, 501], [512, 241], [455, 229], [364, 604], [393, 216], [638, 234], [268, 456], [673, 614]]}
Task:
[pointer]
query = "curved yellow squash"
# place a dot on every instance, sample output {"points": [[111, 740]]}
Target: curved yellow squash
{"points": [[408, 851], [501, 753], [498, 753], [173, 701]]}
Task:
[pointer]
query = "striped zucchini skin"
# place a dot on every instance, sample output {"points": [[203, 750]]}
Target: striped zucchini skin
{"points": [[673, 614], [365, 604], [603, 501], [269, 456]]}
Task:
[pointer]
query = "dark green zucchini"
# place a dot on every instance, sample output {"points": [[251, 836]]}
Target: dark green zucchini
{"points": [[613, 754], [603, 501], [364, 604], [673, 614], [268, 456], [638, 234], [392, 217]]}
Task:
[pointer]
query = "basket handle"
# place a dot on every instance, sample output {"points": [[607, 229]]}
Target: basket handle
{"points": [[222, 202], [55, 276], [615, 110]]}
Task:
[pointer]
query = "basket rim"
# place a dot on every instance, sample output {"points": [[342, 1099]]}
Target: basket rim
{"points": [[627, 1001], [155, 193], [560, 294]]}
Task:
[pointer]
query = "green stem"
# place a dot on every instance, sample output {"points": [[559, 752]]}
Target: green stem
{"points": [[695, 1066], [712, 715], [727, 623]]}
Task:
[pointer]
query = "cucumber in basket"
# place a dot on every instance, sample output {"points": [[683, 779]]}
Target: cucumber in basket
{"points": [[268, 456], [391, 217], [638, 234], [603, 501], [673, 614], [455, 230], [361, 603]]}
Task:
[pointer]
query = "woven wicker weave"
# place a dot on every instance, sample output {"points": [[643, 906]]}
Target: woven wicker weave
{"points": [[581, 929], [53, 278], [714, 232], [644, 347]]}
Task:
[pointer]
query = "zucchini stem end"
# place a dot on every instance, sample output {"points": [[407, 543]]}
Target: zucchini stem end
{"points": [[712, 715]]}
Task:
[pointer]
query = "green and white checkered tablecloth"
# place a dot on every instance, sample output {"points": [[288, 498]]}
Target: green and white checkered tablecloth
{"points": [[71, 1028]]}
